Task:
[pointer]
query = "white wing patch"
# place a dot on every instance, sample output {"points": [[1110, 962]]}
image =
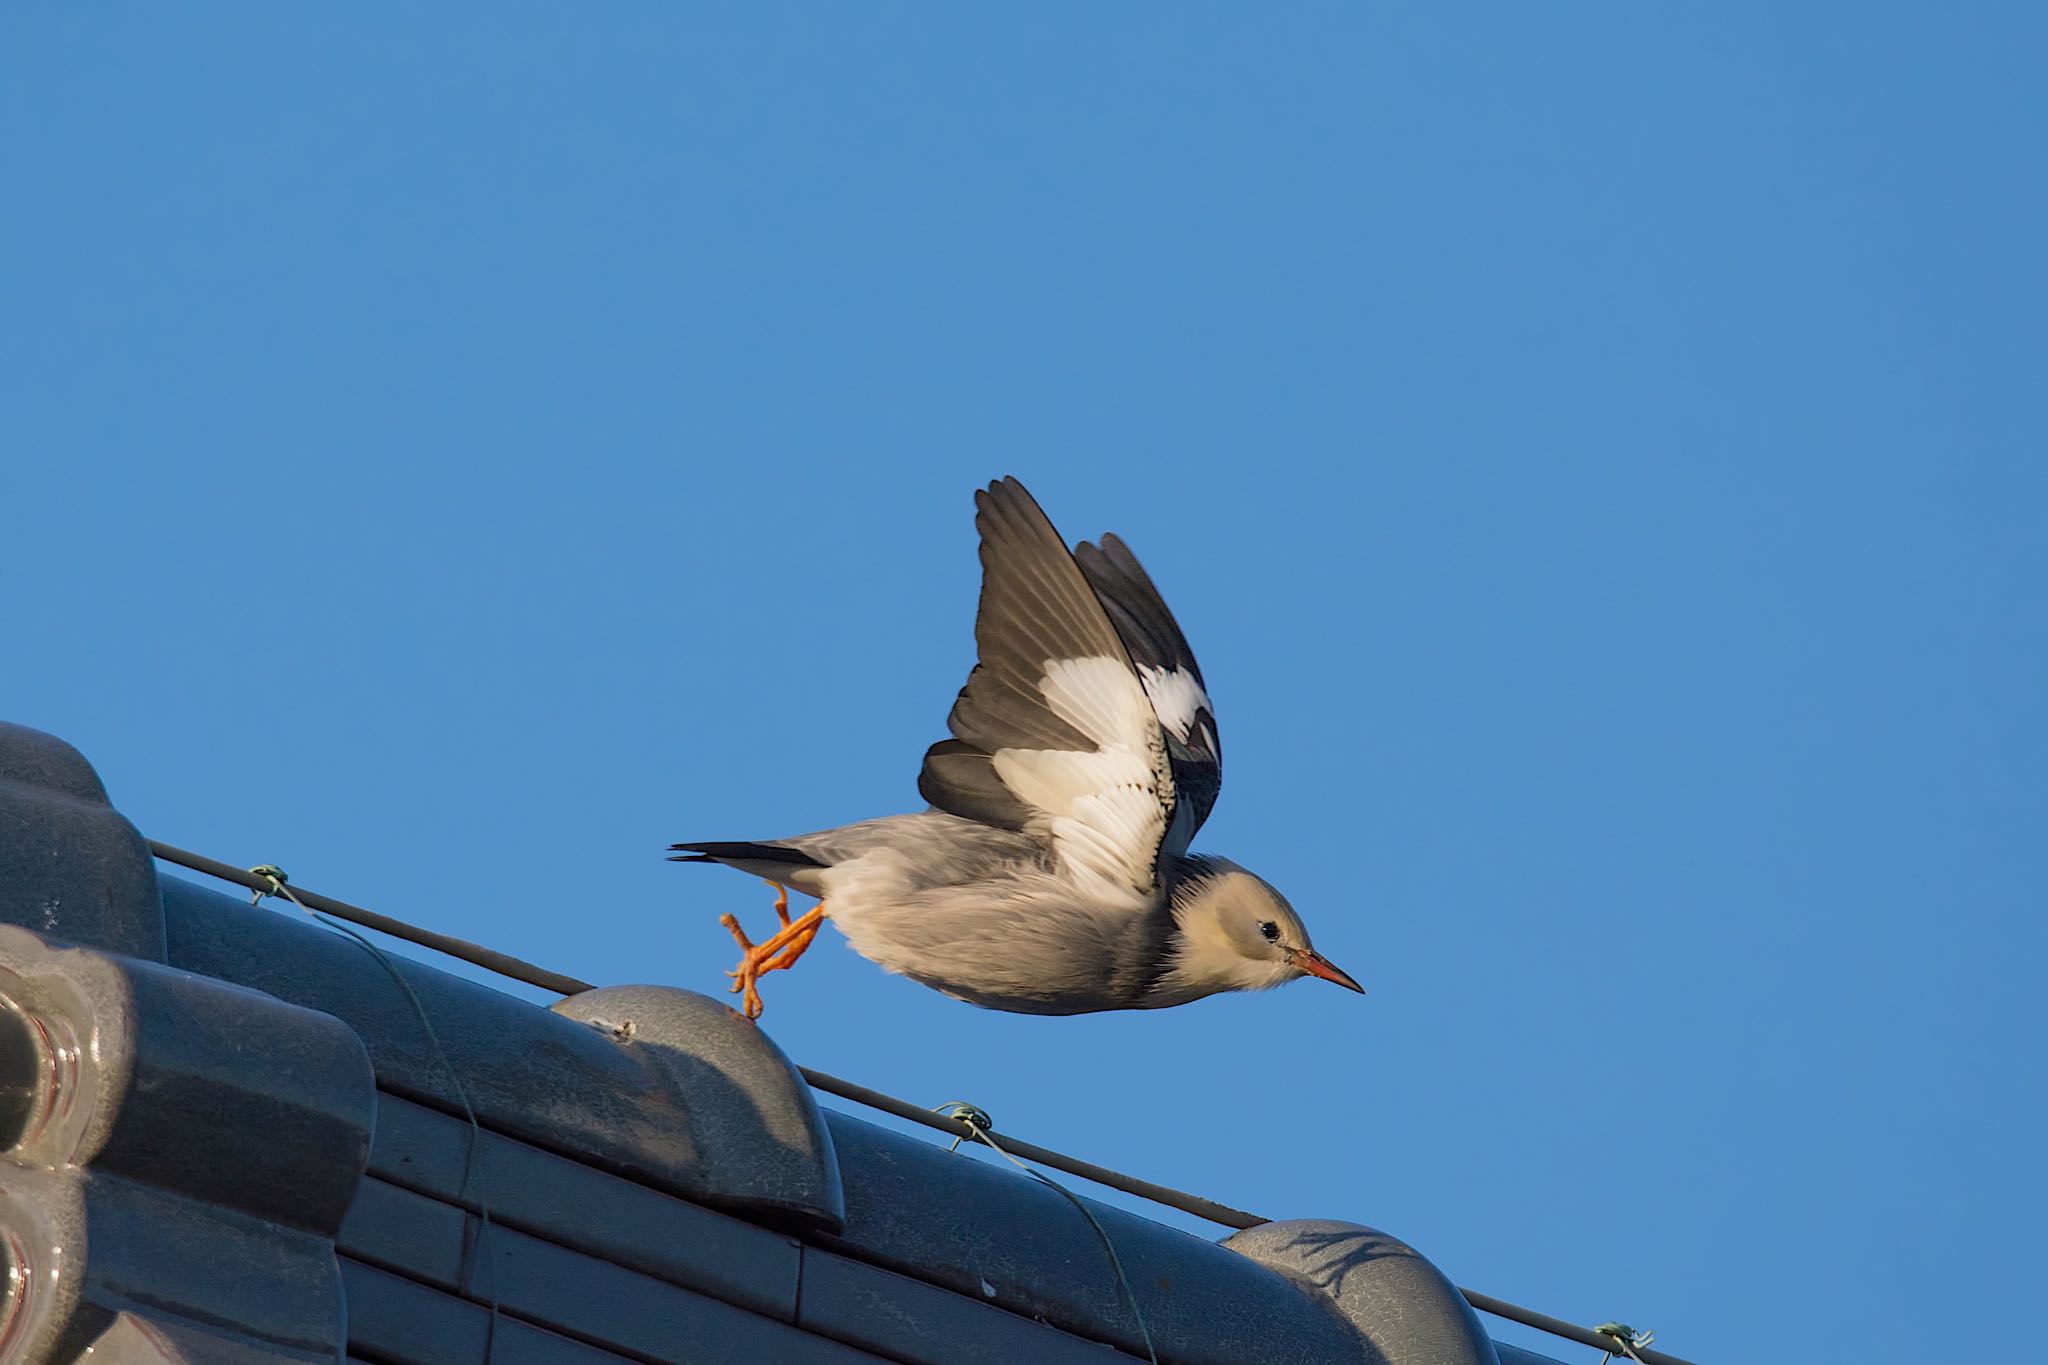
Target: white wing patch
{"points": [[1106, 811], [1112, 841], [1057, 781], [1176, 697], [1097, 697]]}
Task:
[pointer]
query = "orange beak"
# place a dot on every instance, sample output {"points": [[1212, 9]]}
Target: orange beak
{"points": [[1315, 964]]}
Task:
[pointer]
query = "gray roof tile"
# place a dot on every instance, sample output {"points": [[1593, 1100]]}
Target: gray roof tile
{"points": [[668, 1193]]}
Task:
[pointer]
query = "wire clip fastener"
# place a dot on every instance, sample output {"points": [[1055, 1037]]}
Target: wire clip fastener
{"points": [[1627, 1336], [976, 1118]]}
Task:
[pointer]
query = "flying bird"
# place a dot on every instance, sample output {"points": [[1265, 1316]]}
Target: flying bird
{"points": [[1051, 874]]}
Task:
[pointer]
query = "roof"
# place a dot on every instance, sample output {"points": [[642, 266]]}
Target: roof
{"points": [[233, 1135]]}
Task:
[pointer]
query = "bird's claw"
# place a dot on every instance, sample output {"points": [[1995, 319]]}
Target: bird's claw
{"points": [[778, 952]]}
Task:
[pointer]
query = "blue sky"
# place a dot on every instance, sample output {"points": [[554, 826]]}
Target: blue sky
{"points": [[1596, 451]]}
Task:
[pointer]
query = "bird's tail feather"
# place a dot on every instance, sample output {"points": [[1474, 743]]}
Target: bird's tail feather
{"points": [[741, 851]]}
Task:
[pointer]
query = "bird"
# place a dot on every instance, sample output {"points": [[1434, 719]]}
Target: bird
{"points": [[1050, 874]]}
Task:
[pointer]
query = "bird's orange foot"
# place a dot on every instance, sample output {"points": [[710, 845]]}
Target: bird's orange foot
{"points": [[779, 951]]}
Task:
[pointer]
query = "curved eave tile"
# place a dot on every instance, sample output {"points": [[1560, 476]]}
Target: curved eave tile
{"points": [[1403, 1308], [954, 1220], [742, 1142]]}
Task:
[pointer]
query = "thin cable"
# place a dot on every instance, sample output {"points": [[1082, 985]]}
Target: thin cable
{"points": [[1207, 1209], [977, 1122], [517, 969], [1570, 1331], [473, 1158], [504, 964]]}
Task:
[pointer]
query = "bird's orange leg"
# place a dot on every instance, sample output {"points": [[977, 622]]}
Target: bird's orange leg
{"points": [[795, 949], [781, 902], [778, 951]]}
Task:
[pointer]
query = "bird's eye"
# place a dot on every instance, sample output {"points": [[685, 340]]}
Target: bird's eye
{"points": [[1270, 930]]}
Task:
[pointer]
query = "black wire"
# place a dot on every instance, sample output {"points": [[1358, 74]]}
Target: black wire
{"points": [[517, 969], [1031, 1151], [504, 964], [1558, 1327]]}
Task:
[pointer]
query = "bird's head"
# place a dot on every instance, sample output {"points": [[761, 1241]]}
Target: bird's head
{"points": [[1237, 933]]}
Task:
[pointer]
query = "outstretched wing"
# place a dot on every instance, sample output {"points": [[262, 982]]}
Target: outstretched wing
{"points": [[1054, 732], [1172, 679]]}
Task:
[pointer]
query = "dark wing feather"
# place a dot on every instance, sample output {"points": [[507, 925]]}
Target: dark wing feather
{"points": [[1167, 667], [1053, 731], [961, 780], [1035, 606], [1140, 613]]}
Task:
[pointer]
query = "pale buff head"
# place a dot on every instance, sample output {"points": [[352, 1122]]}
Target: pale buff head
{"points": [[1237, 933]]}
